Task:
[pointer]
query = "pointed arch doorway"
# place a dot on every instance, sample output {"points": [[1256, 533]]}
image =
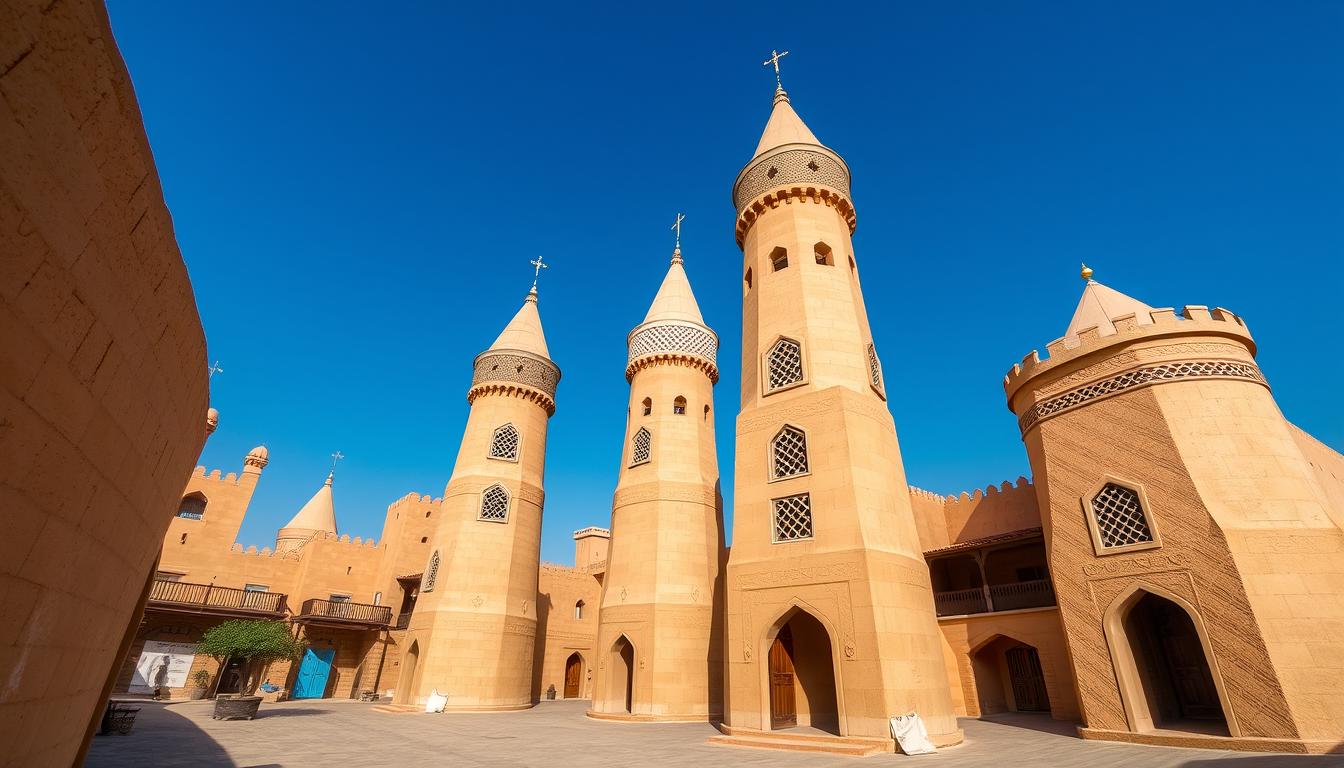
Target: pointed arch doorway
{"points": [[573, 676], [621, 681], [801, 675], [406, 685]]}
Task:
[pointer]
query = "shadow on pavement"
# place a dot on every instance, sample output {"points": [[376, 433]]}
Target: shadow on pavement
{"points": [[1042, 723], [160, 737], [1270, 761]]}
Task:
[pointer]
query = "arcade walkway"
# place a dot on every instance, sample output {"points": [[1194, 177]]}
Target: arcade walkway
{"points": [[329, 733]]}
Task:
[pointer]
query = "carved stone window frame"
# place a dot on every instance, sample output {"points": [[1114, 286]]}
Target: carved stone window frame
{"points": [[431, 573], [635, 461], [517, 448], [764, 366], [1099, 549], [770, 454], [508, 505], [774, 518]]}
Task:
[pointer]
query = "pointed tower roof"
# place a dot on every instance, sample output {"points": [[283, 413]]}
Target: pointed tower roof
{"points": [[319, 514], [523, 333], [675, 300], [1100, 305], [784, 127]]}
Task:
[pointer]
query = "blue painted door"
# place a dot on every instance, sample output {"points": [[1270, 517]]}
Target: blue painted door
{"points": [[312, 679]]}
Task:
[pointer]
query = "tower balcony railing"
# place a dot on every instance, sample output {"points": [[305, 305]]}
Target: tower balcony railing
{"points": [[1037, 593], [208, 598], [342, 612]]}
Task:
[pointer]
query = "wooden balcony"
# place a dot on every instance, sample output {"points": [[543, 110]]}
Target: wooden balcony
{"points": [[345, 614], [185, 597], [1037, 593]]}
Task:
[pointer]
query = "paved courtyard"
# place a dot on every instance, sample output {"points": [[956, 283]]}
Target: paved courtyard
{"points": [[334, 734]]}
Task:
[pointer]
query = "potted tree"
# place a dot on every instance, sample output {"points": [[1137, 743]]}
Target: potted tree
{"points": [[200, 682], [258, 643]]}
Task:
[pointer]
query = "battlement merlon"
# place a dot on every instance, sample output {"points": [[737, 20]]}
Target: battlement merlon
{"points": [[592, 530], [1162, 325]]}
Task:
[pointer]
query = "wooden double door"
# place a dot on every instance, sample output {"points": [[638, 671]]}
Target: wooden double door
{"points": [[783, 704], [1027, 679], [573, 677]]}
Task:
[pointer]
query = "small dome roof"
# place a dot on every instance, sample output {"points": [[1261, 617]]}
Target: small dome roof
{"points": [[259, 452], [212, 414]]}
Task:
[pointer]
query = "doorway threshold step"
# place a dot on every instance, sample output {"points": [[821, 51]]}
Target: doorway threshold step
{"points": [[833, 745]]}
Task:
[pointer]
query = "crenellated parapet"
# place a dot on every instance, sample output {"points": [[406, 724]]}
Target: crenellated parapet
{"points": [[1156, 347]]}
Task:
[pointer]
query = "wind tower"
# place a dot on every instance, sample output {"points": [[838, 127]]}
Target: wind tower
{"points": [[830, 611], [659, 643], [473, 632]]}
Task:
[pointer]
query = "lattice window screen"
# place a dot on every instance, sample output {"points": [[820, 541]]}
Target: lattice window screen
{"points": [[641, 446], [874, 368], [504, 445], [793, 517], [431, 573], [494, 504], [784, 364], [789, 450], [1120, 517]]}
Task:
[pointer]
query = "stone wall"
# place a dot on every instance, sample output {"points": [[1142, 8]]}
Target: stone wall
{"points": [[103, 388]]}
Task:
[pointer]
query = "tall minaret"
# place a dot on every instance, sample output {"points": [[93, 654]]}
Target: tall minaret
{"points": [[472, 635], [660, 643], [830, 610]]}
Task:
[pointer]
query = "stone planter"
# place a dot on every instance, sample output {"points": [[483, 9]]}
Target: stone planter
{"points": [[196, 694], [231, 707]]}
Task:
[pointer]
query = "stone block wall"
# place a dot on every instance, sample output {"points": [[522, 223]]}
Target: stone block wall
{"points": [[103, 388]]}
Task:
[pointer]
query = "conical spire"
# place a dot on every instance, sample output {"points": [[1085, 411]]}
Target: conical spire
{"points": [[319, 514], [523, 333], [784, 127], [675, 300], [1100, 305]]}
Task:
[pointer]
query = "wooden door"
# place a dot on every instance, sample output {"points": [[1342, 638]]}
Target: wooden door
{"points": [[783, 708], [1196, 695], [311, 682], [573, 668], [1028, 680]]}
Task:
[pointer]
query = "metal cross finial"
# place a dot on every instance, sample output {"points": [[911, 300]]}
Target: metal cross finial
{"points": [[539, 266], [677, 226], [213, 369], [335, 457], [775, 56]]}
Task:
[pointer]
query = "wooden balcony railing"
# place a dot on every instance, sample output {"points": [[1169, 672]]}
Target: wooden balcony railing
{"points": [[208, 598], [344, 612], [1024, 594], [961, 601], [997, 597]]}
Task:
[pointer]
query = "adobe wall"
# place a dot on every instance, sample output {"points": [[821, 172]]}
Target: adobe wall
{"points": [[1037, 627], [1328, 467], [559, 634], [996, 509], [103, 387]]}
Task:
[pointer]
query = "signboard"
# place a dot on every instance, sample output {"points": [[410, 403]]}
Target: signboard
{"points": [[162, 665]]}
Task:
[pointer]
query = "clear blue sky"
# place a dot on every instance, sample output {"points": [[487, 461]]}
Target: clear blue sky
{"points": [[357, 196]]}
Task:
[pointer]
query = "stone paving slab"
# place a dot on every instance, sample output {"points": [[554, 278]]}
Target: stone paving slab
{"points": [[337, 734]]}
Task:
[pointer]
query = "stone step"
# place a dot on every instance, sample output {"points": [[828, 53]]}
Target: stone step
{"points": [[397, 709], [833, 745]]}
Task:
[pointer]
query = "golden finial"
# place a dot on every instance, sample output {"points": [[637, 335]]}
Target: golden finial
{"points": [[1086, 274]]}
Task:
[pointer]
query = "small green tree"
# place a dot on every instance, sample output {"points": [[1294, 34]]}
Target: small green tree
{"points": [[257, 642]]}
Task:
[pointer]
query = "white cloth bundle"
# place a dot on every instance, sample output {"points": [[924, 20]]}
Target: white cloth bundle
{"points": [[910, 733], [435, 702]]}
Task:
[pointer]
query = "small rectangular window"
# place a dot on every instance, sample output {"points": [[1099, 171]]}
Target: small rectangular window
{"points": [[256, 588], [340, 599]]}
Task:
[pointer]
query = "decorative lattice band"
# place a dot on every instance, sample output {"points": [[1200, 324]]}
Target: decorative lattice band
{"points": [[788, 168], [527, 370], [673, 339], [1139, 377]]}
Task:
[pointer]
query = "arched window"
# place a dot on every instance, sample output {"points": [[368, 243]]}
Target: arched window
{"points": [[504, 444], [706, 413], [874, 368], [747, 280], [793, 517], [823, 253], [679, 405], [788, 453], [1121, 521], [784, 364], [192, 506], [640, 447], [494, 504], [431, 573], [578, 610], [377, 598], [852, 267], [648, 406], [779, 259]]}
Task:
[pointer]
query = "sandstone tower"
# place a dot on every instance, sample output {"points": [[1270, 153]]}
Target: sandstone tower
{"points": [[830, 612], [659, 641], [1195, 550], [472, 635]]}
